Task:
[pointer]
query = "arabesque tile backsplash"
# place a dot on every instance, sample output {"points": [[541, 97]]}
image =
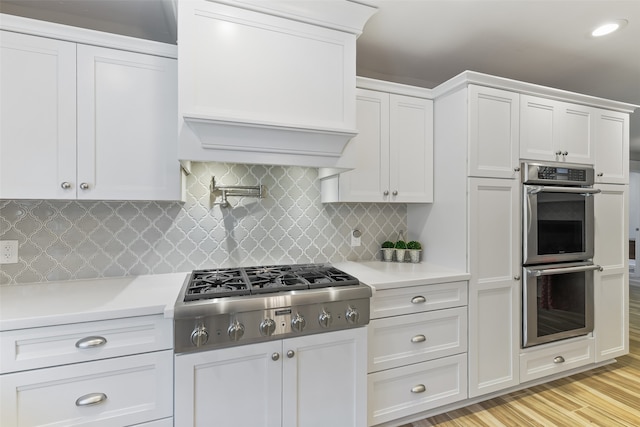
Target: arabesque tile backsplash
{"points": [[63, 240]]}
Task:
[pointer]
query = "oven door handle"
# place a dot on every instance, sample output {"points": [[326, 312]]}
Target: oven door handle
{"points": [[564, 270], [535, 189]]}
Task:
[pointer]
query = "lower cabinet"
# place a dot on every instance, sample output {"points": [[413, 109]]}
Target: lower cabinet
{"points": [[104, 393], [417, 350], [313, 380], [555, 358]]}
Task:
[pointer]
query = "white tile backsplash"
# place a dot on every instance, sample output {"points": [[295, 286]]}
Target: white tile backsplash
{"points": [[62, 240]]}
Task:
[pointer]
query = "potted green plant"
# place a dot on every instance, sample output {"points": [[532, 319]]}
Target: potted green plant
{"points": [[401, 248], [387, 251], [414, 248]]}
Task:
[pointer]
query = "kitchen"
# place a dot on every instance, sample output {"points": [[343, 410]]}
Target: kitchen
{"points": [[114, 238]]}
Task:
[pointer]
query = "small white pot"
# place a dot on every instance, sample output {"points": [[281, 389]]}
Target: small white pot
{"points": [[414, 255], [387, 254], [400, 254]]}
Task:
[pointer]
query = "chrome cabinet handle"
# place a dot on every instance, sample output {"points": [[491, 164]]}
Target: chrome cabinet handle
{"points": [[91, 342], [517, 169], [516, 278], [558, 359], [290, 354], [418, 300], [418, 338], [565, 153], [395, 192], [84, 186], [420, 388], [275, 356], [386, 193], [65, 185], [91, 399], [600, 174], [558, 153]]}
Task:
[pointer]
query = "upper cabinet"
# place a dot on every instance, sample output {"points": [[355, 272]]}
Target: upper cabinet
{"points": [[553, 130], [86, 122], [260, 82], [392, 154], [493, 132], [611, 147]]}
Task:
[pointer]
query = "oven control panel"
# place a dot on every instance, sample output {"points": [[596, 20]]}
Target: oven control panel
{"points": [[557, 174]]}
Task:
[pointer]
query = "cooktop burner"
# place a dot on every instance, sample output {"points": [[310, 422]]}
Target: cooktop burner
{"points": [[225, 282]]}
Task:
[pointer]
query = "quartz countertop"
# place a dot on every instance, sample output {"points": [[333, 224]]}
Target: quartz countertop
{"points": [[74, 301], [55, 303], [389, 275]]}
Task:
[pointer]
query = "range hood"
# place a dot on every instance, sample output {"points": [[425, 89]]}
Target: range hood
{"points": [[268, 82]]}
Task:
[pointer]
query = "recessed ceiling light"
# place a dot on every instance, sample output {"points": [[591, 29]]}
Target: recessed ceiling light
{"points": [[609, 27]]}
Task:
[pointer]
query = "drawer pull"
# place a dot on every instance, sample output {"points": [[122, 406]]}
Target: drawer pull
{"points": [[420, 388], [418, 338], [418, 300], [91, 399], [91, 342], [558, 359]]}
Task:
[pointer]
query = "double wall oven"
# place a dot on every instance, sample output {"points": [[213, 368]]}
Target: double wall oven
{"points": [[558, 246]]}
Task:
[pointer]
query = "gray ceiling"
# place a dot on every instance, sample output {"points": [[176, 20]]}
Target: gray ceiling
{"points": [[425, 42]]}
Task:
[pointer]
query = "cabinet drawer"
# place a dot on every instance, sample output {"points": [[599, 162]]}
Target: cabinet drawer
{"points": [[401, 392], [415, 299], [134, 389], [401, 340], [555, 358], [80, 342]]}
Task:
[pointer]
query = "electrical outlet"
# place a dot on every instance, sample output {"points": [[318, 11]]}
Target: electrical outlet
{"points": [[355, 238], [8, 251]]}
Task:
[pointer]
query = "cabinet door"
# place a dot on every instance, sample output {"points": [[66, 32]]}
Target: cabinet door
{"points": [[238, 386], [369, 151], [494, 288], [611, 147], [538, 119], [38, 116], [494, 127], [325, 380], [410, 149], [127, 128], [611, 328], [576, 127]]}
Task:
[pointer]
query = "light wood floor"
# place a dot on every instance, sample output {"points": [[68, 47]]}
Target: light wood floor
{"points": [[608, 396]]}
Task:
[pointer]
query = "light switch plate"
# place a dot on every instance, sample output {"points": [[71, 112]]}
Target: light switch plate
{"points": [[8, 251]]}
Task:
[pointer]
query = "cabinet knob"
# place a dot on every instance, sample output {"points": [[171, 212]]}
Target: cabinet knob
{"points": [[65, 185], [290, 354], [565, 153], [558, 359], [516, 278], [84, 186], [600, 174], [395, 192], [418, 300], [516, 169], [558, 153], [275, 356], [418, 338], [386, 193]]}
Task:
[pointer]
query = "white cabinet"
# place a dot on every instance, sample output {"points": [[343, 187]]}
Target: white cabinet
{"points": [[494, 289], [556, 131], [611, 146], [611, 328], [105, 373], [555, 358], [392, 153], [417, 350], [86, 122], [313, 380], [493, 132]]}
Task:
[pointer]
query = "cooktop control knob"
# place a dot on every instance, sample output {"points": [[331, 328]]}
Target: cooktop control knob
{"points": [[199, 336], [298, 323], [267, 327], [325, 319], [352, 315], [236, 331]]}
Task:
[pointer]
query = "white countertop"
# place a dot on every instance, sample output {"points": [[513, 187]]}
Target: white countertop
{"points": [[74, 301], [55, 303], [388, 275]]}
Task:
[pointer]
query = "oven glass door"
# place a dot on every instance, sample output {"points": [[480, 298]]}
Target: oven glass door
{"points": [[557, 302], [558, 224]]}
